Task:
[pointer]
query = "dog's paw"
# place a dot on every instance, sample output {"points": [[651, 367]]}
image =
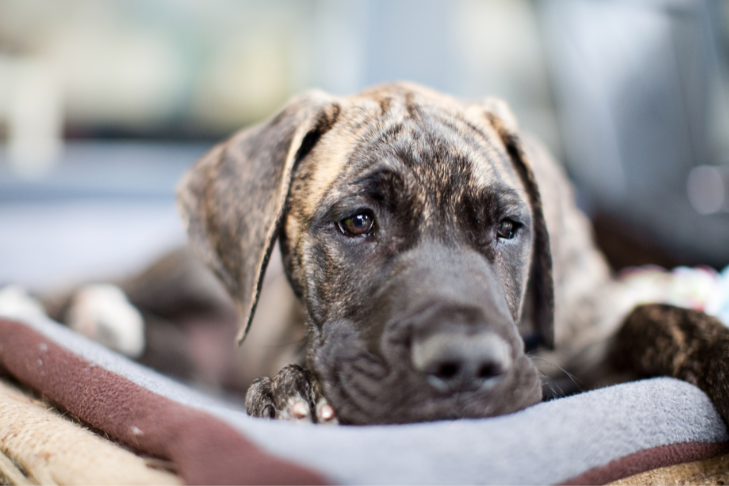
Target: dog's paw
{"points": [[16, 302], [103, 314], [660, 339], [293, 395]]}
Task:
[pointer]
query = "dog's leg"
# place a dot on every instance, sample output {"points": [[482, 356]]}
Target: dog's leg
{"points": [[293, 394], [659, 339]]}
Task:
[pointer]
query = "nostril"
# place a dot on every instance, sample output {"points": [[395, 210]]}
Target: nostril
{"points": [[446, 370], [489, 370]]}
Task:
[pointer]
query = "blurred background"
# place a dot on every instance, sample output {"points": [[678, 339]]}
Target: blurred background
{"points": [[104, 103]]}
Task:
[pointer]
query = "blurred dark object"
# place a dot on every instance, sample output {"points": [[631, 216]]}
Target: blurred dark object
{"points": [[190, 322], [639, 93], [625, 246]]}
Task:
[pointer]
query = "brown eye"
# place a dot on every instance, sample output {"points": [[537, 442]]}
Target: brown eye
{"points": [[357, 225], [506, 229]]}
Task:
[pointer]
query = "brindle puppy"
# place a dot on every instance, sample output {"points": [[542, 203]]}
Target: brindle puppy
{"points": [[414, 230]]}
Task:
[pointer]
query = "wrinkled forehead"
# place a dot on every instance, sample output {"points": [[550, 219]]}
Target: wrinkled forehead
{"points": [[437, 149]]}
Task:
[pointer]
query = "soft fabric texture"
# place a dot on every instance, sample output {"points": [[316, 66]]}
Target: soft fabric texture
{"points": [[205, 449], [707, 471], [53, 450], [594, 437]]}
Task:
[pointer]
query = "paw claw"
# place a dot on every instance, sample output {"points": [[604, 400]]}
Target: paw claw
{"points": [[325, 413], [300, 410], [292, 395]]}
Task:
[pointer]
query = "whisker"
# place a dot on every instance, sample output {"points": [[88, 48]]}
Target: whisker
{"points": [[569, 375], [551, 384], [460, 405]]}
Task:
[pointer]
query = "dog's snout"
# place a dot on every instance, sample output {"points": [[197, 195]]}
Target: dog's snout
{"points": [[454, 361]]}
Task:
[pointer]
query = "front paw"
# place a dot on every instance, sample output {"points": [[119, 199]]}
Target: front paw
{"points": [[103, 313], [293, 395], [658, 339]]}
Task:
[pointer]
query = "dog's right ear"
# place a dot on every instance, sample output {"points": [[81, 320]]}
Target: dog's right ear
{"points": [[233, 198], [540, 280]]}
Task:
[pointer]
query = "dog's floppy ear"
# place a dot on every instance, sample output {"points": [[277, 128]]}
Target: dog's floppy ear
{"points": [[541, 283], [233, 198]]}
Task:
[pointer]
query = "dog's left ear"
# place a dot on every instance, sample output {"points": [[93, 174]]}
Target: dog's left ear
{"points": [[233, 198], [541, 283]]}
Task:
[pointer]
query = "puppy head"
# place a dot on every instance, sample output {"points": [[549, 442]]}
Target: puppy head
{"points": [[410, 225]]}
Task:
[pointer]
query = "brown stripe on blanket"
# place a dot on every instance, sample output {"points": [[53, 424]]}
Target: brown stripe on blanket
{"points": [[642, 461], [205, 449]]}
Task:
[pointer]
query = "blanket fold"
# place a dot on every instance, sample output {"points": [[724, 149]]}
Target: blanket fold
{"points": [[205, 449], [594, 437]]}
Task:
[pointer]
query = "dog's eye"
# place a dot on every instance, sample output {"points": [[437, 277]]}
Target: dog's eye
{"points": [[506, 229], [358, 224]]}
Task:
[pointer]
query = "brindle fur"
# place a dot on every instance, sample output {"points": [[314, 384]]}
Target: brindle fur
{"points": [[439, 174], [665, 340]]}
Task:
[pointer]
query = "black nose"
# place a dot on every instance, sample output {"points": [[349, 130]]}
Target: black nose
{"points": [[457, 361]]}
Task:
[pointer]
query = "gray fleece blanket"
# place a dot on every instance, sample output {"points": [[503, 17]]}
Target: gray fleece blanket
{"points": [[594, 437]]}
